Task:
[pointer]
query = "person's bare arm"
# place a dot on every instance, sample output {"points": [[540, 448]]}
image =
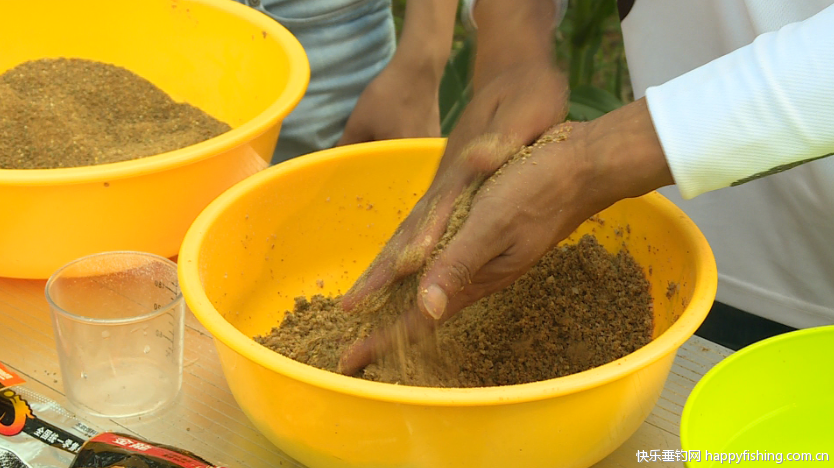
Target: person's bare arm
{"points": [[402, 101]]}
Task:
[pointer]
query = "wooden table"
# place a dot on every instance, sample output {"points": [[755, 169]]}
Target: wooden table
{"points": [[207, 420]]}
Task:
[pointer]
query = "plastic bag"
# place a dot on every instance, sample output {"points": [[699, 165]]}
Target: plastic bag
{"points": [[36, 432], [115, 450]]}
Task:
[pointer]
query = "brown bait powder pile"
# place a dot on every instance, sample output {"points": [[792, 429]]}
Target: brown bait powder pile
{"points": [[579, 307], [73, 112]]}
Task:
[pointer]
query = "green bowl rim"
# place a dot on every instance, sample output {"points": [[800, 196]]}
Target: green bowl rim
{"points": [[718, 370]]}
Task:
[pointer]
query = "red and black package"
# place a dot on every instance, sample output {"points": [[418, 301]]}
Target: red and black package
{"points": [[115, 450], [36, 432]]}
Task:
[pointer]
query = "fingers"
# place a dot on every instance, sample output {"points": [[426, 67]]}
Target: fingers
{"points": [[448, 275], [389, 266], [411, 327], [404, 254], [378, 275], [448, 291], [362, 353], [447, 286]]}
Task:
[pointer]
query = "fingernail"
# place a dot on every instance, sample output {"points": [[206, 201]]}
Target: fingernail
{"points": [[434, 300]]}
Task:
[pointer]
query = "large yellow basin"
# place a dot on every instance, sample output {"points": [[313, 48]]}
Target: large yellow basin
{"points": [[322, 218], [233, 62]]}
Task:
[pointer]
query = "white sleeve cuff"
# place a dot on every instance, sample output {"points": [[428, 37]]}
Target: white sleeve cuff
{"points": [[468, 18], [763, 108]]}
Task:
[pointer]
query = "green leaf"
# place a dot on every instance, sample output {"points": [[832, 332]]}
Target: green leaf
{"points": [[582, 112], [451, 89], [448, 121], [618, 77], [595, 98], [455, 86], [462, 60]]}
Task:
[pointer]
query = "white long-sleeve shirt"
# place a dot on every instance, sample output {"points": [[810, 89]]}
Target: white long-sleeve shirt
{"points": [[737, 89]]}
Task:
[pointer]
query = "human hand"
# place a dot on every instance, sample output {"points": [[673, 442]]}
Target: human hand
{"points": [[518, 214], [509, 111], [401, 102]]}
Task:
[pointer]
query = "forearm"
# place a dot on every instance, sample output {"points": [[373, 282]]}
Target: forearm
{"points": [[426, 38], [760, 109], [510, 33], [623, 155]]}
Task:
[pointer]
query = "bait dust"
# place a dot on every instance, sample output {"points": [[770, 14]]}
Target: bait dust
{"points": [[578, 308], [73, 112]]}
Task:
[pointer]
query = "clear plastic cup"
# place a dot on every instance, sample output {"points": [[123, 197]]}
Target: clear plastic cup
{"points": [[118, 319]]}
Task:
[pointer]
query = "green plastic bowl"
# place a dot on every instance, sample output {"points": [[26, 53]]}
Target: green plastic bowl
{"points": [[774, 399]]}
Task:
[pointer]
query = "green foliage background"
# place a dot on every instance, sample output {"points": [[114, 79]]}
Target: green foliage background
{"points": [[588, 46]]}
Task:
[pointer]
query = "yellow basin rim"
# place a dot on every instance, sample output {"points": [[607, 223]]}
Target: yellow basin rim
{"points": [[222, 330], [296, 85]]}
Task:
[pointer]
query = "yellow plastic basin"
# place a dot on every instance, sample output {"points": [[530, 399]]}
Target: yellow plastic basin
{"points": [[768, 404], [322, 218], [233, 62]]}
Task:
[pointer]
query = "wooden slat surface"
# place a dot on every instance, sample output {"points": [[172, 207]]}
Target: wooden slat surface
{"points": [[207, 420]]}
